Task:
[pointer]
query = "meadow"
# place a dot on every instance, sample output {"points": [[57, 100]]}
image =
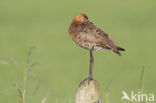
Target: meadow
{"points": [[57, 65]]}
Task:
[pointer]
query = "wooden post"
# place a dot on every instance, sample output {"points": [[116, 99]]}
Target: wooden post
{"points": [[88, 92]]}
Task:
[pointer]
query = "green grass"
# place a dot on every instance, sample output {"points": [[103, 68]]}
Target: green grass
{"points": [[64, 65]]}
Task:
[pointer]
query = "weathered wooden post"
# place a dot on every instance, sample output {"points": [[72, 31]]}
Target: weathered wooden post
{"points": [[88, 92]]}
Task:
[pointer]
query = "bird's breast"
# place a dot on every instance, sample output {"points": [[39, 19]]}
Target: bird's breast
{"points": [[87, 45]]}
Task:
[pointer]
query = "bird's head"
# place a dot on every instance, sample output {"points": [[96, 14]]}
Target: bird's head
{"points": [[80, 18]]}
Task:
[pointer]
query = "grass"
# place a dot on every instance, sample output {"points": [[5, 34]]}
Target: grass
{"points": [[141, 80], [27, 74], [131, 25], [107, 93]]}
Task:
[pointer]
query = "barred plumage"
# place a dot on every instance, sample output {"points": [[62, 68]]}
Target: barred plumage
{"points": [[87, 35]]}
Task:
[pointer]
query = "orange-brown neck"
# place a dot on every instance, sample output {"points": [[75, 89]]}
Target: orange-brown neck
{"points": [[76, 20]]}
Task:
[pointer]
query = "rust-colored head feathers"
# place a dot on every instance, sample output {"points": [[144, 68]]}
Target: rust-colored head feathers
{"points": [[87, 35], [80, 18]]}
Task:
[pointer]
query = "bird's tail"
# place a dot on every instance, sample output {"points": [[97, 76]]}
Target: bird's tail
{"points": [[118, 49]]}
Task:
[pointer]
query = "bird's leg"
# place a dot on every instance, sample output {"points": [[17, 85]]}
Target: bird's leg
{"points": [[91, 66]]}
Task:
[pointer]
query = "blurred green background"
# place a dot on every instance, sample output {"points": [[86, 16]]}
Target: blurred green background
{"points": [[44, 24]]}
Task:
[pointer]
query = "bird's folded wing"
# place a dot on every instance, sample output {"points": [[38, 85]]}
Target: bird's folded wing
{"points": [[92, 34]]}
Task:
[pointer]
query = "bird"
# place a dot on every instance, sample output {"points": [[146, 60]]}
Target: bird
{"points": [[85, 34]]}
